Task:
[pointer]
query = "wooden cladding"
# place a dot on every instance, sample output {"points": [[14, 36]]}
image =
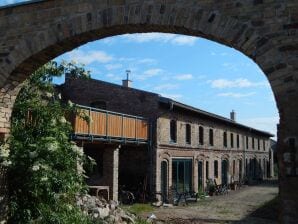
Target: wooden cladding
{"points": [[109, 124]]}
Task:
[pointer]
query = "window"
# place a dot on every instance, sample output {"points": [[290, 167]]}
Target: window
{"points": [[225, 139], [234, 167], [246, 142], [264, 145], [238, 141], [201, 135], [232, 140], [258, 144], [188, 134], [211, 142], [253, 143], [173, 131], [216, 169], [99, 105]]}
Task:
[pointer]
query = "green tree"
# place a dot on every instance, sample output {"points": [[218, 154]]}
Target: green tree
{"points": [[43, 165]]}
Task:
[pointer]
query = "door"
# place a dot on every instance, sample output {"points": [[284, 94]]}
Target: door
{"points": [[200, 174], [224, 172], [182, 174], [164, 180]]}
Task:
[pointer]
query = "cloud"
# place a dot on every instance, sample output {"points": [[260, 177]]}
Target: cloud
{"points": [[166, 87], [8, 2], [262, 123], [236, 95], [184, 77], [113, 77], [238, 83], [161, 37], [184, 40], [88, 57], [172, 96], [113, 66], [149, 73]]}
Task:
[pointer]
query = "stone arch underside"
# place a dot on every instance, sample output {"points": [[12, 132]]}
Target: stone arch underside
{"points": [[266, 31]]}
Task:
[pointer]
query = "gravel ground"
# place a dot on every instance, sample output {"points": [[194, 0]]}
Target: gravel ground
{"points": [[251, 204]]}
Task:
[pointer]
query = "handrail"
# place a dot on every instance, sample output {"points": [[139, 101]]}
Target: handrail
{"points": [[110, 112], [111, 125]]}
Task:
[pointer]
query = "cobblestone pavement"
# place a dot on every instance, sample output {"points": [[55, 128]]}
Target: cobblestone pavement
{"points": [[251, 204]]}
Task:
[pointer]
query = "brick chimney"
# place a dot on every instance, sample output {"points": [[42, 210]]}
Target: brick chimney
{"points": [[126, 82], [233, 115]]}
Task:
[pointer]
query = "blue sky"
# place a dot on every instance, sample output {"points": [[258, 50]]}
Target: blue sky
{"points": [[191, 70]]}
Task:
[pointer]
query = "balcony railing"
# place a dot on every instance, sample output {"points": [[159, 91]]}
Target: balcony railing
{"points": [[103, 125]]}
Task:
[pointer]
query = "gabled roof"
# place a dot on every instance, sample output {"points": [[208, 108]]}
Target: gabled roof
{"points": [[173, 103]]}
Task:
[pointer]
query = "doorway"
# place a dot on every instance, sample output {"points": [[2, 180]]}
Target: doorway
{"points": [[224, 172], [182, 174]]}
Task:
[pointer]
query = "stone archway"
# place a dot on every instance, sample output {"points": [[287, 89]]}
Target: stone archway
{"points": [[38, 31]]}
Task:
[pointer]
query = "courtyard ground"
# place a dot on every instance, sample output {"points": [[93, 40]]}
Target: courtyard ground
{"points": [[251, 204]]}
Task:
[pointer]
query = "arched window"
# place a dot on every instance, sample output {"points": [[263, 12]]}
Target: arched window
{"points": [[211, 141], [215, 168], [99, 105], [225, 139], [201, 135], [232, 140], [188, 134], [173, 131]]}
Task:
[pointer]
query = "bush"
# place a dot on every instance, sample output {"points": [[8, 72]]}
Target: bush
{"points": [[42, 162]]}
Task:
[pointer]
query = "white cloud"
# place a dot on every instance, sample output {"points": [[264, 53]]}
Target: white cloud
{"points": [[166, 87], [184, 40], [161, 37], [8, 2], [149, 73], [236, 95], [184, 77], [148, 61], [262, 123], [113, 77], [172, 96], [88, 57], [238, 83], [113, 66]]}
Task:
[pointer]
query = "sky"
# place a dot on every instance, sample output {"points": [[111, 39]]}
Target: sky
{"points": [[191, 70]]}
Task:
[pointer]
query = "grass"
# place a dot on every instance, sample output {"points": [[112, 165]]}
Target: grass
{"points": [[137, 208]]}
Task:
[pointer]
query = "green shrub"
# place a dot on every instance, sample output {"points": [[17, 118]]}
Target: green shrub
{"points": [[42, 163]]}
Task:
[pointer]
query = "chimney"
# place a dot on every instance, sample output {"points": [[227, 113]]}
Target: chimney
{"points": [[233, 115], [126, 82]]}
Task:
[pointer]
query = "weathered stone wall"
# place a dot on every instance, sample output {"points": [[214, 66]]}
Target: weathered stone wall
{"points": [[264, 30]]}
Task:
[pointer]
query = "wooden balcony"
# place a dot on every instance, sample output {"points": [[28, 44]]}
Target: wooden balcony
{"points": [[103, 125]]}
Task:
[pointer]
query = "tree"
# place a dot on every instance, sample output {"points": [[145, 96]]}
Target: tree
{"points": [[42, 162]]}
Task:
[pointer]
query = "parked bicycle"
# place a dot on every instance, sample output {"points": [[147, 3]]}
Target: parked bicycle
{"points": [[126, 197]]}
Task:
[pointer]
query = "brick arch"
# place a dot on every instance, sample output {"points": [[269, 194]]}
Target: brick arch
{"points": [[266, 31]]}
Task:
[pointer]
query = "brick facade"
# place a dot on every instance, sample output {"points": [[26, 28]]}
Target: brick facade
{"points": [[146, 104], [35, 32]]}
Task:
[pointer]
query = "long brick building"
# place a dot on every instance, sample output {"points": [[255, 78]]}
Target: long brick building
{"points": [[183, 146]]}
